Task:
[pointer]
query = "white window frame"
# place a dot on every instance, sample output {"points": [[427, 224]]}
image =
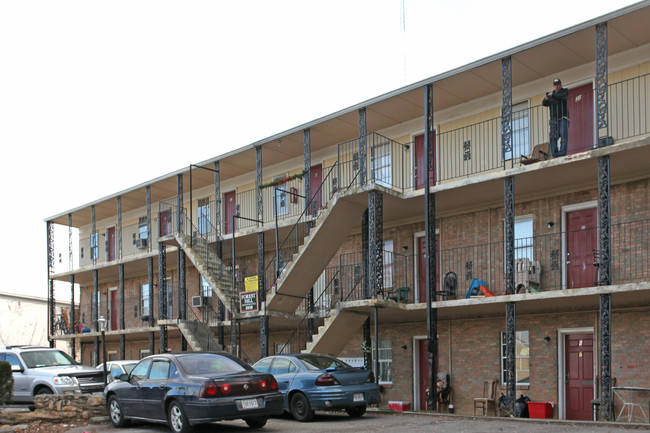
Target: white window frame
{"points": [[203, 215], [281, 349], [206, 289], [524, 244], [522, 352], [282, 198], [385, 361], [145, 302], [388, 264], [520, 133], [382, 164]]}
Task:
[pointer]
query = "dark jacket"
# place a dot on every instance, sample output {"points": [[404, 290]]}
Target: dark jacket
{"points": [[558, 103]]}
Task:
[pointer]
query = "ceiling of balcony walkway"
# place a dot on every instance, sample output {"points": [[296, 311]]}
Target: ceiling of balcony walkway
{"points": [[539, 59]]}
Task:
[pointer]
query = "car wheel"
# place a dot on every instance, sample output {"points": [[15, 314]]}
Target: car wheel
{"points": [[256, 422], [356, 411], [300, 408], [44, 391], [177, 419], [115, 412]]}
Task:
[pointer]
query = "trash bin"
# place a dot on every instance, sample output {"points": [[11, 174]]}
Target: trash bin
{"points": [[540, 409]]}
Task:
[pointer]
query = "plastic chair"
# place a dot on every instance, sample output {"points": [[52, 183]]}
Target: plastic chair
{"points": [[398, 295]]}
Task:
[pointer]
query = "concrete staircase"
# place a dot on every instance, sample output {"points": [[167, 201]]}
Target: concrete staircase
{"points": [[328, 339], [318, 248], [198, 335]]}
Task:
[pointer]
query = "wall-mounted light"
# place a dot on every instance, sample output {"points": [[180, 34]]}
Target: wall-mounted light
{"points": [[547, 338], [549, 224], [405, 347]]}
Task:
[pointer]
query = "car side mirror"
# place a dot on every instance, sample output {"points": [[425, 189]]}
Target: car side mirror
{"points": [[16, 369], [123, 377]]}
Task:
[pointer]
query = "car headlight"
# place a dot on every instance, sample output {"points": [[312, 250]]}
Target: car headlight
{"points": [[64, 380]]}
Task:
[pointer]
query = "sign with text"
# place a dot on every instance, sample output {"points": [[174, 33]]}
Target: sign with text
{"points": [[248, 301], [250, 283]]}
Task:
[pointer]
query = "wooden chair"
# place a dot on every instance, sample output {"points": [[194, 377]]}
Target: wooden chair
{"points": [[488, 398]]}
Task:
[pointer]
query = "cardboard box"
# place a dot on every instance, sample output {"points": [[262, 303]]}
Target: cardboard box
{"points": [[399, 406]]}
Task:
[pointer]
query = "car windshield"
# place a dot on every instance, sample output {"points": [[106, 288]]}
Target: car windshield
{"points": [[46, 358], [210, 363], [321, 362]]}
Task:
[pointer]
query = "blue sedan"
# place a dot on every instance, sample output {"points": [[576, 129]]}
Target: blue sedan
{"points": [[320, 382], [186, 389]]}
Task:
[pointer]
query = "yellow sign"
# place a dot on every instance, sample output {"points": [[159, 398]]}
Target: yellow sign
{"points": [[250, 283]]}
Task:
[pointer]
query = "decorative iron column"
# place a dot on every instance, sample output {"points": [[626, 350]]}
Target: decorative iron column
{"points": [[179, 206], [162, 293], [511, 328], [149, 234], [376, 242], [430, 244], [604, 280], [365, 262], [95, 311], [122, 321], [73, 319], [70, 255], [310, 310], [258, 182], [310, 208], [50, 283], [119, 227], [94, 237], [506, 111], [217, 205], [264, 318], [602, 115], [150, 312], [367, 345], [182, 294], [363, 147]]}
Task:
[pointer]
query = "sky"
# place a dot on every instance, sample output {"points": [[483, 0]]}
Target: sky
{"points": [[99, 96]]}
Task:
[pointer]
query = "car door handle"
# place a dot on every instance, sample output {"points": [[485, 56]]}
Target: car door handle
{"points": [[161, 386]]}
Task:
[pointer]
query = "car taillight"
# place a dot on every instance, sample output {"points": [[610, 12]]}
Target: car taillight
{"points": [[274, 384], [264, 385], [271, 383], [326, 380], [225, 389], [209, 389], [371, 378]]}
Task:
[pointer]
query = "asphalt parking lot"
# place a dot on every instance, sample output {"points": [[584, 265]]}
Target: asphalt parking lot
{"points": [[388, 422]]}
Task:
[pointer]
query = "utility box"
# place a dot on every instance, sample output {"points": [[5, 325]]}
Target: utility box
{"points": [[399, 406], [540, 409]]}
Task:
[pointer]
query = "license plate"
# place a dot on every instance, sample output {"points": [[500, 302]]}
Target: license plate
{"points": [[249, 404], [358, 396]]}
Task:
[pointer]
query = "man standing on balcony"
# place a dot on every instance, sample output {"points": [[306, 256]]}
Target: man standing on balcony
{"points": [[558, 103]]}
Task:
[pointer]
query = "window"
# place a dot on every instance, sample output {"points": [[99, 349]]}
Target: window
{"points": [[282, 366], [143, 232], [144, 353], [281, 198], [520, 131], [145, 302], [159, 370], [169, 289], [282, 348], [206, 290], [94, 248], [388, 265], [524, 238], [522, 356], [140, 370], [203, 212], [385, 360], [382, 164]]}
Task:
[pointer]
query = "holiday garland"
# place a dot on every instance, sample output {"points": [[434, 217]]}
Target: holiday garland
{"points": [[283, 180]]}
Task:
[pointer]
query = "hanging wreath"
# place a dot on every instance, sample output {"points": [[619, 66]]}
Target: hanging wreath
{"points": [[283, 180]]}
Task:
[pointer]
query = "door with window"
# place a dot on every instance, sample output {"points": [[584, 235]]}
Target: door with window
{"points": [[579, 375], [581, 241], [581, 115], [230, 209], [420, 162], [165, 223], [110, 244], [316, 193]]}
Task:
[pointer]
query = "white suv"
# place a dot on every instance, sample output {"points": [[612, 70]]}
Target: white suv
{"points": [[43, 370]]}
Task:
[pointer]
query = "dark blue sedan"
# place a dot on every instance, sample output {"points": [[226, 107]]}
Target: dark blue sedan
{"points": [[186, 389], [320, 382]]}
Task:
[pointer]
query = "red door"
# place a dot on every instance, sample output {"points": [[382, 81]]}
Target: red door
{"points": [[113, 306], [423, 377], [315, 181], [422, 267], [579, 375], [581, 240], [110, 239], [581, 113], [165, 223], [420, 162], [230, 209]]}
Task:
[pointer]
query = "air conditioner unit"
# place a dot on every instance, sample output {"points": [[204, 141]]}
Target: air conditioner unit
{"points": [[141, 243], [197, 301]]}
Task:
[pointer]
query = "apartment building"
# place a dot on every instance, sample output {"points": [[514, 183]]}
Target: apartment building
{"points": [[428, 231]]}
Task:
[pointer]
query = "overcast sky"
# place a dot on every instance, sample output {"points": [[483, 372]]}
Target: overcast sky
{"points": [[96, 97]]}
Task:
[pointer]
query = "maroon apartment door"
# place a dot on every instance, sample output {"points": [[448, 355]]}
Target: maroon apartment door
{"points": [[422, 267], [114, 307], [165, 222], [110, 239], [315, 180], [230, 209], [420, 162], [581, 113], [579, 375], [580, 242], [423, 377]]}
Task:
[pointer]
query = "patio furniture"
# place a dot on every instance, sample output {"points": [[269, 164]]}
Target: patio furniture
{"points": [[487, 399], [398, 295]]}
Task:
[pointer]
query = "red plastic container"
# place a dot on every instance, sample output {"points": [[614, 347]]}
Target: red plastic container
{"points": [[539, 409], [399, 405]]}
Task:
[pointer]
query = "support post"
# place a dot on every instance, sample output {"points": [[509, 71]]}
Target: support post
{"points": [[162, 293], [150, 315], [365, 257], [363, 147], [376, 242], [122, 318], [511, 328], [604, 280], [264, 319], [506, 111], [182, 294], [119, 227], [73, 319], [602, 111]]}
